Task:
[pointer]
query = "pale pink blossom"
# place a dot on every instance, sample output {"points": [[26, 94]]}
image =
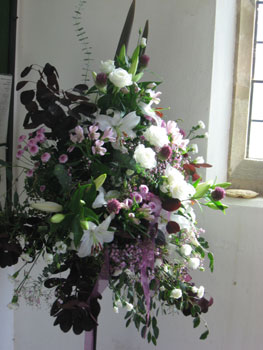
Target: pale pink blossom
{"points": [[45, 157], [79, 135], [98, 149], [93, 134], [63, 158], [108, 135], [33, 149]]}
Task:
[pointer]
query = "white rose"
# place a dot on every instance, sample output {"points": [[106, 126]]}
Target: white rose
{"points": [[194, 263], [107, 66], [145, 156], [186, 249], [201, 292], [176, 293], [60, 247], [157, 136], [120, 78]]}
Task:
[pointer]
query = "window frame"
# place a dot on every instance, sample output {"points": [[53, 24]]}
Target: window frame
{"points": [[243, 173]]}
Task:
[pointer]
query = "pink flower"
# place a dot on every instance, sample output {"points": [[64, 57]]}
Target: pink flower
{"points": [[79, 135], [108, 135], [41, 131], [30, 173], [144, 189], [128, 202], [45, 157], [33, 149], [137, 197], [40, 137], [93, 135], [32, 142], [21, 138], [42, 188], [97, 149], [19, 154], [63, 158]]}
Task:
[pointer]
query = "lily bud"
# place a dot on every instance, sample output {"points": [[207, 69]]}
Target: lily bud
{"points": [[57, 218]]}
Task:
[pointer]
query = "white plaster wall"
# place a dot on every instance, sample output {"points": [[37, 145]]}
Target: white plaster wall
{"points": [[181, 46]]}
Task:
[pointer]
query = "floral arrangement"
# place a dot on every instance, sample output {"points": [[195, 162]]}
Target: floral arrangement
{"points": [[109, 195]]}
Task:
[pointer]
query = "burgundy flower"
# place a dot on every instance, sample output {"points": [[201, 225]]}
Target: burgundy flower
{"points": [[114, 206], [165, 153], [101, 79], [144, 60], [218, 194]]}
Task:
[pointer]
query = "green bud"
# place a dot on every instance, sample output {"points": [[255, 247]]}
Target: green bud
{"points": [[129, 172], [57, 218], [84, 224], [82, 202]]}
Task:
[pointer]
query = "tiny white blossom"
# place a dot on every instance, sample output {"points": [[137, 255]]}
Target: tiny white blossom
{"points": [[206, 135], [194, 289], [48, 258], [162, 288], [118, 303], [194, 148], [201, 292], [143, 42], [201, 124], [129, 306], [116, 309], [13, 306], [60, 247], [176, 293], [199, 160]]}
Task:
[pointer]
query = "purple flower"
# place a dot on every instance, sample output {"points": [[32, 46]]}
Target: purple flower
{"points": [[101, 80], [144, 60], [33, 149], [40, 137], [218, 194], [30, 173], [19, 153], [114, 206], [42, 188], [45, 157], [165, 153], [63, 158], [128, 202]]}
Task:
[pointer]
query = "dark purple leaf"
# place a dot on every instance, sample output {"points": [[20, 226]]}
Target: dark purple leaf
{"points": [[21, 84], [26, 71], [27, 96]]}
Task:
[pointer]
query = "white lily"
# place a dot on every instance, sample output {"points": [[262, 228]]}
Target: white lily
{"points": [[121, 126], [149, 111], [50, 207], [95, 236]]}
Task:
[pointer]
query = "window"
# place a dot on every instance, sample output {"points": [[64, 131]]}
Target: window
{"points": [[246, 157]]}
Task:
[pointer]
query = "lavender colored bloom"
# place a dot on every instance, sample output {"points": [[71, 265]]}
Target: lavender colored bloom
{"points": [[45, 157], [101, 80], [182, 132], [63, 158], [218, 194], [128, 202], [108, 135], [40, 137], [165, 153], [33, 149], [114, 206], [79, 135]]}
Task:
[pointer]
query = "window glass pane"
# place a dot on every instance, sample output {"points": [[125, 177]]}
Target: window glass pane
{"points": [[258, 72], [257, 101], [260, 23], [256, 141]]}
